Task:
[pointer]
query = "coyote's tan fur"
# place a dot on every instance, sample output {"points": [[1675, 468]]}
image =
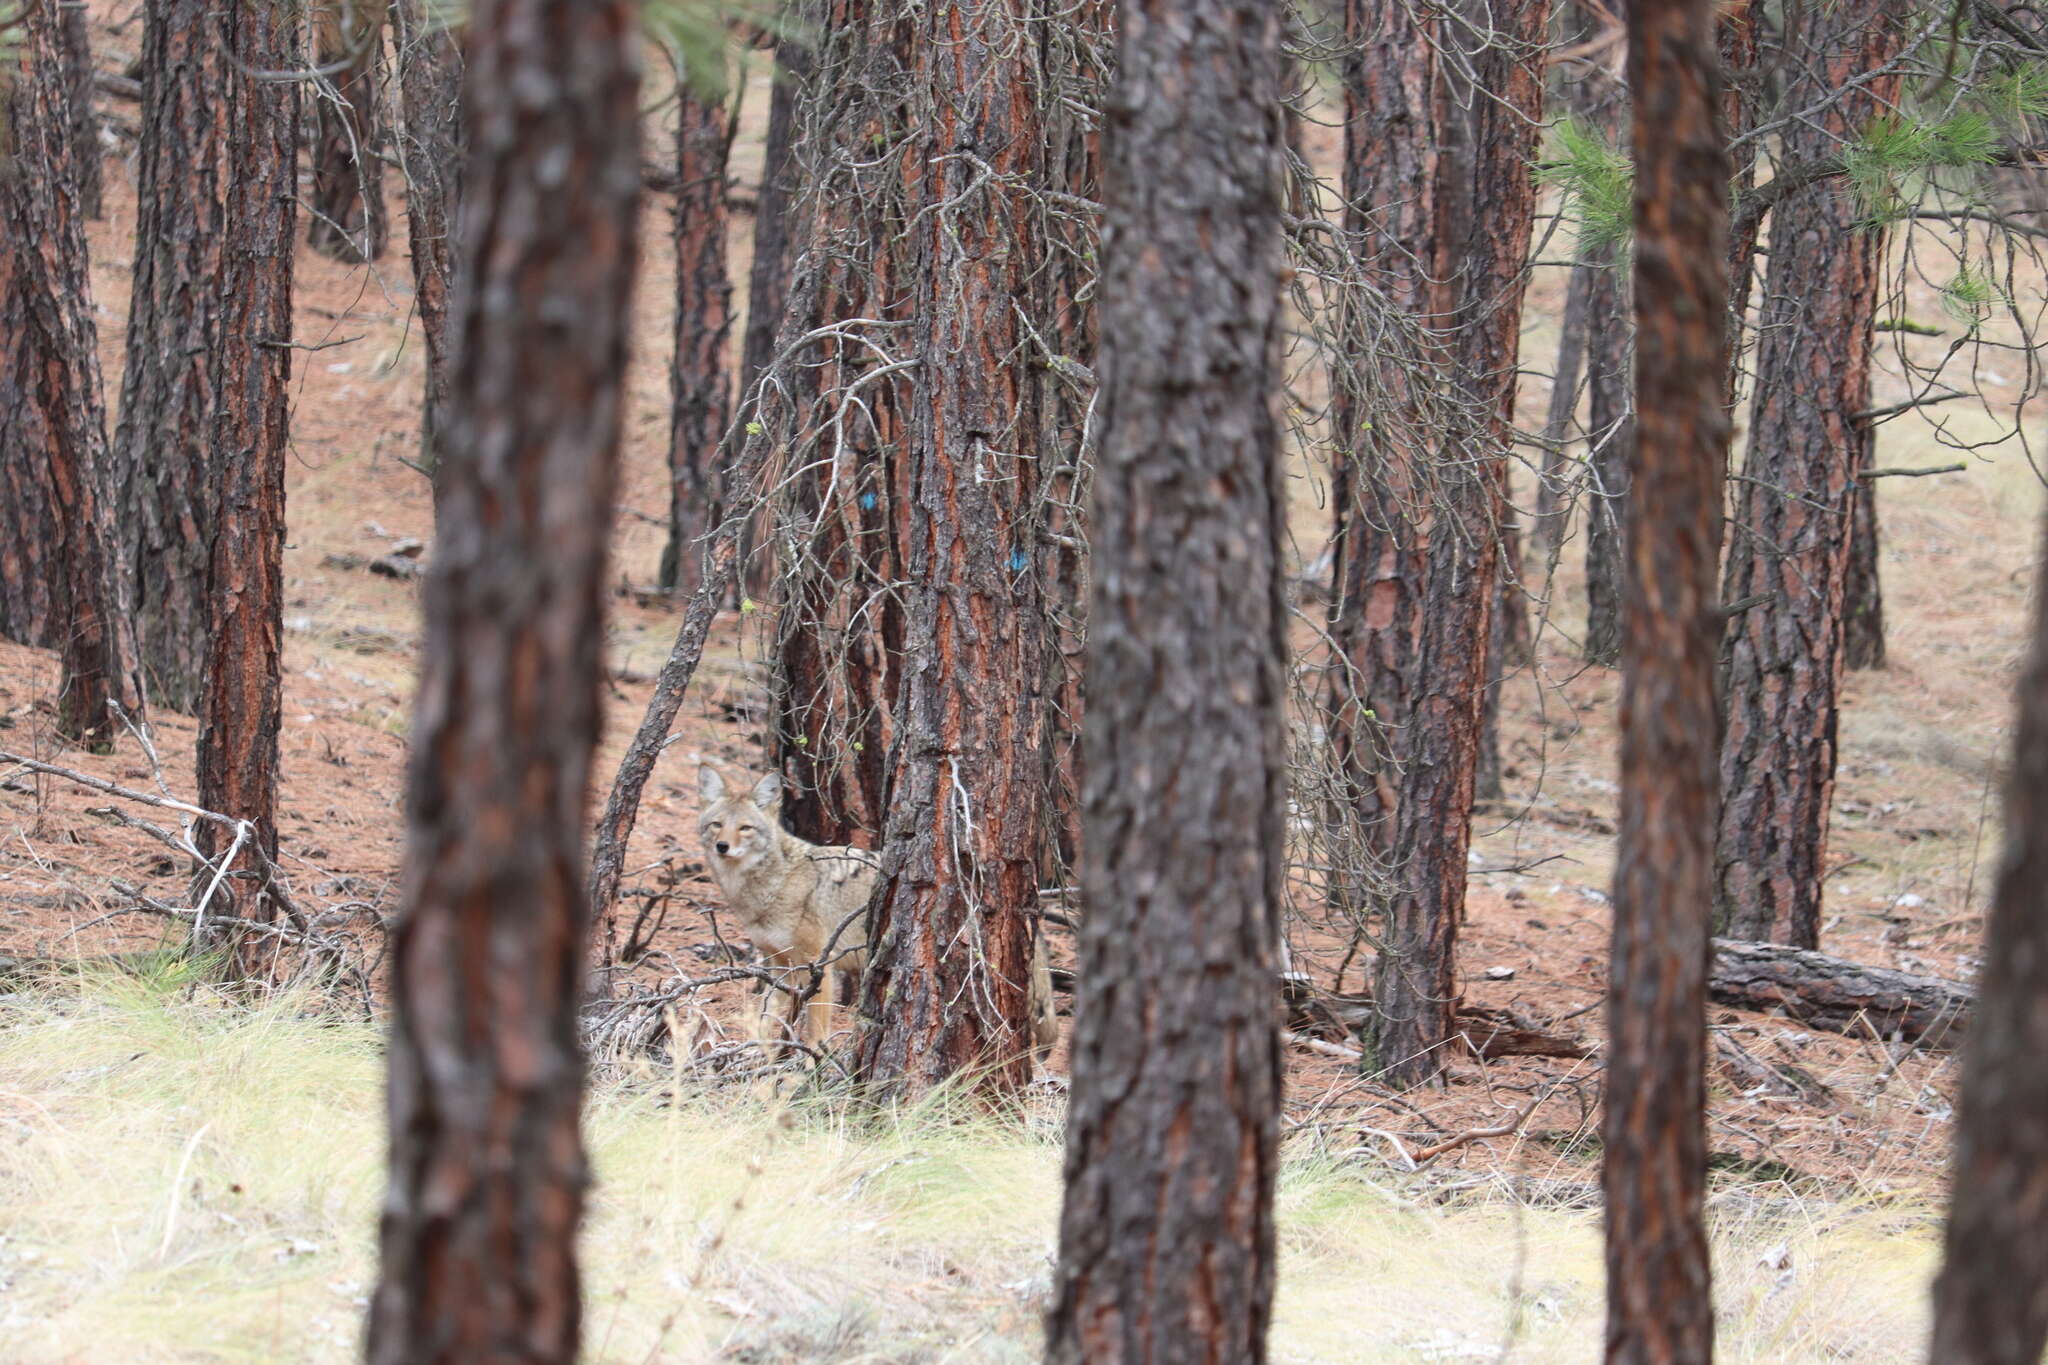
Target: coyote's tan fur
{"points": [[791, 896]]}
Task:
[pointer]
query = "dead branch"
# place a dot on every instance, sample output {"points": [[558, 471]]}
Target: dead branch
{"points": [[1754, 1075], [1957, 468]]}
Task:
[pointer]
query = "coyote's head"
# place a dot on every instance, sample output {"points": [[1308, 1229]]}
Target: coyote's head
{"points": [[738, 831]]}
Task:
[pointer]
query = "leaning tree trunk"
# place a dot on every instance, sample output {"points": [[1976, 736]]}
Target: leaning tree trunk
{"points": [[57, 587], [346, 207], [430, 83], [1484, 208], [1166, 1233], [85, 119], [700, 401], [242, 707], [1653, 1125], [487, 1173], [1991, 1300], [946, 988], [160, 451], [1789, 556]]}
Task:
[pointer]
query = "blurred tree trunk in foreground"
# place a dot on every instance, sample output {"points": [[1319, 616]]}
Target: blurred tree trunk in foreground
{"points": [[487, 1172], [1166, 1236]]}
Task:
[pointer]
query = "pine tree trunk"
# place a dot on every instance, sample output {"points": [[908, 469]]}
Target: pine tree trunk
{"points": [[1069, 396], [430, 82], [946, 987], [1484, 206], [57, 586], [768, 276], [1553, 501], [478, 1238], [1863, 598], [1653, 1126], [1591, 95], [1735, 33], [160, 452], [700, 401], [1991, 1299], [1611, 419], [1795, 504], [346, 208], [1166, 1234], [1508, 648], [1610, 424], [1380, 486], [840, 630], [242, 705], [85, 119]]}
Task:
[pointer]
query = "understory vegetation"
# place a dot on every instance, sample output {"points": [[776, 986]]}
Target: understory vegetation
{"points": [[189, 1179]]}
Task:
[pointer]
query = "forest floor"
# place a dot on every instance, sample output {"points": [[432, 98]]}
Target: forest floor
{"points": [[1823, 1204]]}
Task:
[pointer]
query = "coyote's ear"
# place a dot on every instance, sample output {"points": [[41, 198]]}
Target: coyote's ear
{"points": [[768, 792], [710, 785]]}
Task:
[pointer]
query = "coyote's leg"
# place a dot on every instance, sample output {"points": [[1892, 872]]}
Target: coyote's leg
{"points": [[808, 947]]}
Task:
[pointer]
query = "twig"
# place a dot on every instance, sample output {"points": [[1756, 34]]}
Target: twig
{"points": [[115, 788], [1912, 473], [1470, 1135], [243, 829], [1317, 1045]]}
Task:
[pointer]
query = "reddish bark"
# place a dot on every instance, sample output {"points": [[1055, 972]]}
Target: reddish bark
{"points": [[487, 1170], [1166, 1234], [1081, 62], [1653, 1125], [1789, 555], [242, 705], [1392, 170], [1418, 557], [160, 450], [57, 586], [839, 651], [946, 989]]}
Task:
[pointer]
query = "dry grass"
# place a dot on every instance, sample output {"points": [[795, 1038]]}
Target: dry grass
{"points": [[185, 1180]]}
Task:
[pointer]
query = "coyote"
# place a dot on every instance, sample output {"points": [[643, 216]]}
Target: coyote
{"points": [[792, 896]]}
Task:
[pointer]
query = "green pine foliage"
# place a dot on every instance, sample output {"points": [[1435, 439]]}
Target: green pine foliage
{"points": [[1597, 179], [1897, 150], [1970, 295]]}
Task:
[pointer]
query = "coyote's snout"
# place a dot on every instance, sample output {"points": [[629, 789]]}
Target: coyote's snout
{"points": [[796, 898]]}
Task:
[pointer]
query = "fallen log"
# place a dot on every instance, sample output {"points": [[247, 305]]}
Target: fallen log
{"points": [[1831, 993], [1815, 989]]}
